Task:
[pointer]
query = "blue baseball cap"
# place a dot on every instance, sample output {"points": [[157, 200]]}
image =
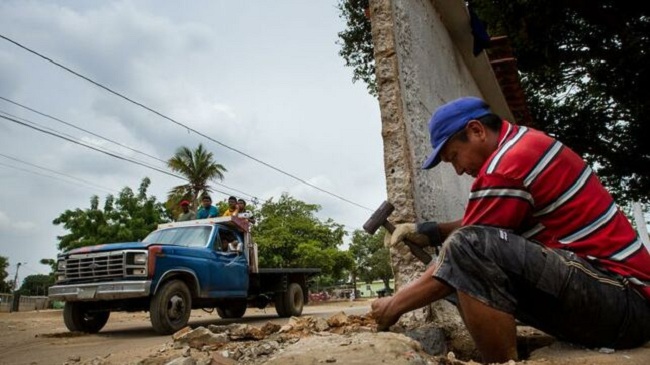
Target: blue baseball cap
{"points": [[448, 120]]}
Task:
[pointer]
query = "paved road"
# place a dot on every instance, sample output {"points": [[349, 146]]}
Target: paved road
{"points": [[41, 337]]}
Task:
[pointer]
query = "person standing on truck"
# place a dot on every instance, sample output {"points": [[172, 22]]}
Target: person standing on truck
{"points": [[541, 241], [207, 210], [187, 214]]}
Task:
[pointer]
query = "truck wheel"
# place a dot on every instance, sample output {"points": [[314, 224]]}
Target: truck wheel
{"points": [[78, 318], [234, 309], [279, 305], [293, 300], [170, 307]]}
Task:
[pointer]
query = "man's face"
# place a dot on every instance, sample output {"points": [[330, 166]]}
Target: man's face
{"points": [[467, 156], [206, 203], [185, 208], [241, 205], [232, 203]]}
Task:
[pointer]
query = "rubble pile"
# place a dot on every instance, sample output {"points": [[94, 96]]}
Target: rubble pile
{"points": [[246, 344]]}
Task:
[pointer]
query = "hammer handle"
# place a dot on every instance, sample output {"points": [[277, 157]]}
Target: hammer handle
{"points": [[416, 250]]}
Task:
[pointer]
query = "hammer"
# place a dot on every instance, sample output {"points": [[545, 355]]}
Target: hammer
{"points": [[380, 218]]}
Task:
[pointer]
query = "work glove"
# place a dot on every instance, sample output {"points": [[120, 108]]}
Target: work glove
{"points": [[423, 234]]}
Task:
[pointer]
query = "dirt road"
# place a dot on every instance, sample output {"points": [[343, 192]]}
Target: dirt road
{"points": [[42, 338]]}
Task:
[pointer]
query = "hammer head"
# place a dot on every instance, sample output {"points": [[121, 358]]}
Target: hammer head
{"points": [[379, 217]]}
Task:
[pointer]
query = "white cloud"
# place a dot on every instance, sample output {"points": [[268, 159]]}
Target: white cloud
{"points": [[7, 224]]}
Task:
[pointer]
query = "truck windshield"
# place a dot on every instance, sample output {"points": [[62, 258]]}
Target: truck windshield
{"points": [[181, 236]]}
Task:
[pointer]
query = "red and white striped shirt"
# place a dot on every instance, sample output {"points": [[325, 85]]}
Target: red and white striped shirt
{"points": [[543, 191]]}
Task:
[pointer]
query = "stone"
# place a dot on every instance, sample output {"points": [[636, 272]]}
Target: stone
{"points": [[218, 329], [338, 320], [201, 336], [270, 328], [320, 324], [181, 332], [187, 351], [182, 361], [432, 339], [245, 332], [219, 359]]}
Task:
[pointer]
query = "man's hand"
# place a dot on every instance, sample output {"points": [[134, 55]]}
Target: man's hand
{"points": [[381, 311], [408, 231]]}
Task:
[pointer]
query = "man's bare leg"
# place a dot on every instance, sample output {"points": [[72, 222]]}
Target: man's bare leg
{"points": [[425, 290], [493, 331]]}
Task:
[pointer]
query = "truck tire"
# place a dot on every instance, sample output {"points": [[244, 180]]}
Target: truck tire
{"points": [[293, 300], [234, 309], [78, 318], [279, 305], [170, 307]]}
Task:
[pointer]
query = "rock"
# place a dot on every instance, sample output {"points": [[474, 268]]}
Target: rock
{"points": [[203, 337], [74, 358], [395, 348], [338, 320], [218, 329], [606, 350], [181, 332], [246, 332], [219, 359], [270, 328], [187, 351], [182, 361], [320, 325], [432, 339], [177, 345]]}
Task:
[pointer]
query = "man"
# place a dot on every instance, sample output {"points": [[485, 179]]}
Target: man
{"points": [[232, 208], [187, 214], [207, 210], [541, 241]]}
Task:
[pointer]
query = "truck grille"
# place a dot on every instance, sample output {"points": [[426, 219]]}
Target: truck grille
{"points": [[95, 265]]}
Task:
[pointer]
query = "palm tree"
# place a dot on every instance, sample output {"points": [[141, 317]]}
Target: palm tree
{"points": [[198, 167]]}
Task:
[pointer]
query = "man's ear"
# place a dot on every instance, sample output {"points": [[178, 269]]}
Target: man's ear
{"points": [[476, 130]]}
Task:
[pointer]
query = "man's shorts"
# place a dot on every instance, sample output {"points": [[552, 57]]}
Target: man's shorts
{"points": [[550, 289]]}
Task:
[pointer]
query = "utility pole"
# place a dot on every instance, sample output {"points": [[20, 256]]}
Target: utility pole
{"points": [[14, 304], [16, 276]]}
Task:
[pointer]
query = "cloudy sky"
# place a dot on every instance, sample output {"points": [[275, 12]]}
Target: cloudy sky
{"points": [[263, 77]]}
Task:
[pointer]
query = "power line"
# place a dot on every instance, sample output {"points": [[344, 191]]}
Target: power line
{"points": [[44, 175], [57, 172], [69, 138], [98, 149], [81, 129], [106, 88]]}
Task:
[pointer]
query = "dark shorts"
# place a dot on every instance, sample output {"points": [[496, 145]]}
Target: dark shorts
{"points": [[552, 290]]}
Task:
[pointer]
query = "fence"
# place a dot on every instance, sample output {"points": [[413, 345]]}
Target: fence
{"points": [[26, 303]]}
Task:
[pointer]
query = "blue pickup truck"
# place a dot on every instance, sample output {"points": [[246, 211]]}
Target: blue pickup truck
{"points": [[206, 263]]}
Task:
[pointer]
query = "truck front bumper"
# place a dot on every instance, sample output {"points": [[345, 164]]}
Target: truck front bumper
{"points": [[100, 291]]}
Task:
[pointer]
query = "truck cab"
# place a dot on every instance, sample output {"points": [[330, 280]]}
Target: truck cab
{"points": [[206, 263]]}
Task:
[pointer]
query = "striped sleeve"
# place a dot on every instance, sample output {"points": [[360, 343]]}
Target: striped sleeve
{"points": [[498, 201]]}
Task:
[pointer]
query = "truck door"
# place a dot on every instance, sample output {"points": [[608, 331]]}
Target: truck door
{"points": [[228, 270]]}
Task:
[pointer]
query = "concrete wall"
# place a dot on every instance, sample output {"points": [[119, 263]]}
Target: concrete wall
{"points": [[423, 55]]}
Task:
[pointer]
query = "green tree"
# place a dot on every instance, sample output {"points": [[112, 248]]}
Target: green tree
{"points": [[289, 234], [130, 217], [356, 42], [4, 265], [36, 284], [372, 259], [51, 263], [199, 168], [584, 66]]}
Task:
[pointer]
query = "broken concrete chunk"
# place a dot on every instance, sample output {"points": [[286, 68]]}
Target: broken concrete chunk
{"points": [[246, 332], [201, 337], [270, 328], [338, 320], [181, 332]]}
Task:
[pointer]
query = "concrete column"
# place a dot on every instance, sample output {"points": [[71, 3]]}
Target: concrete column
{"points": [[421, 63]]}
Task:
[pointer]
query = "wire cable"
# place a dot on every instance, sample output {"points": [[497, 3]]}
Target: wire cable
{"points": [[58, 133], [106, 88], [57, 172]]}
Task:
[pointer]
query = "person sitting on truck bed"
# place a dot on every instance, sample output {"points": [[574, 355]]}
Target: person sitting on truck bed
{"points": [[233, 208], [207, 210], [187, 214]]}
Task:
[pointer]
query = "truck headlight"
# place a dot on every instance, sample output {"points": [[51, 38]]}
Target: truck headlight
{"points": [[140, 258], [61, 265]]}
